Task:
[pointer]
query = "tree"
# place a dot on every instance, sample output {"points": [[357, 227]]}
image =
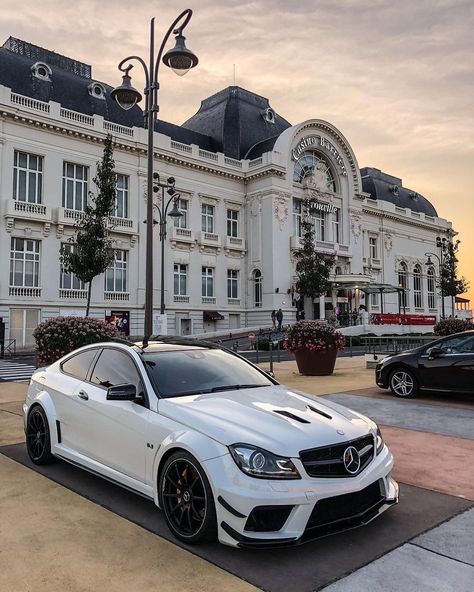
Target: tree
{"points": [[90, 251], [449, 282], [312, 268]]}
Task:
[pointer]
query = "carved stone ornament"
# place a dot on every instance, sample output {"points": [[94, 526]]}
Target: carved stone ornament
{"points": [[318, 178], [46, 229], [356, 227], [133, 240], [10, 224], [60, 230], [280, 209], [255, 206], [388, 242]]}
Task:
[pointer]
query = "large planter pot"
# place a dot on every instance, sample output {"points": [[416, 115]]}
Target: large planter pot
{"points": [[316, 363]]}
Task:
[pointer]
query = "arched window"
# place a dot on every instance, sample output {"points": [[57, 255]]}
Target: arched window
{"points": [[257, 276], [403, 283], [417, 287], [431, 288], [338, 271], [311, 161]]}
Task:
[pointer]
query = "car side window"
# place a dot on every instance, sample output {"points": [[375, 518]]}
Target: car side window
{"points": [[115, 367], [456, 345], [78, 365]]}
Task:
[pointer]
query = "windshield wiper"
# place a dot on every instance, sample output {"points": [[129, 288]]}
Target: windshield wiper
{"points": [[234, 387]]}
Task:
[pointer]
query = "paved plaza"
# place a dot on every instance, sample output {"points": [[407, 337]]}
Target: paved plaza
{"points": [[64, 529]]}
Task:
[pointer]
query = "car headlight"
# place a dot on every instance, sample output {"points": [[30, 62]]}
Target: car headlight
{"points": [[257, 462], [379, 443]]}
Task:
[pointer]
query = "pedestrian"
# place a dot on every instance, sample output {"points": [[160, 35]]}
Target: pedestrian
{"points": [[279, 318], [274, 318]]}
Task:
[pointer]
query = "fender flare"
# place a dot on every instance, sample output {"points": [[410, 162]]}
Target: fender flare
{"points": [[43, 399], [199, 445]]}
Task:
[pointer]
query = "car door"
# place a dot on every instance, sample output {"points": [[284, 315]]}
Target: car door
{"points": [[116, 431], [451, 369], [65, 387]]}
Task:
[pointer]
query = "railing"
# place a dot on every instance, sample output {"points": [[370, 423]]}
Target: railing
{"points": [[24, 292], [116, 296], [75, 215], [29, 103], [210, 236], [72, 294], [255, 162], [373, 345], [207, 154], [182, 299], [29, 208], [208, 299], [77, 117], [7, 346], [121, 222], [233, 301], [233, 162], [118, 129], [343, 248], [181, 147]]}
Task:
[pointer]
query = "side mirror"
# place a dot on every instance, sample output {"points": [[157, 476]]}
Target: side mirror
{"points": [[435, 352], [269, 373], [122, 392]]}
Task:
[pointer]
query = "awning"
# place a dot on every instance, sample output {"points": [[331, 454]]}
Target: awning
{"points": [[375, 288], [459, 299], [212, 315]]}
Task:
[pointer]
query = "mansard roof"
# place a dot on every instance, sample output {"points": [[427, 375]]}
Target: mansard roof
{"points": [[386, 187]]}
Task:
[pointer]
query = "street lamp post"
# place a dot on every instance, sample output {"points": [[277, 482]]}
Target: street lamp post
{"points": [[163, 212], [180, 59], [442, 244]]}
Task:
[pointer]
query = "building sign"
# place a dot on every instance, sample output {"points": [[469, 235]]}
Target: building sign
{"points": [[322, 207], [318, 142], [160, 325]]}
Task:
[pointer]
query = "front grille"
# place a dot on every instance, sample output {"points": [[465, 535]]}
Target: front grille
{"points": [[343, 511], [327, 461]]}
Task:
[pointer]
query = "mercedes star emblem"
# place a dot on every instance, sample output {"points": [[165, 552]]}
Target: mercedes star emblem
{"points": [[351, 460]]}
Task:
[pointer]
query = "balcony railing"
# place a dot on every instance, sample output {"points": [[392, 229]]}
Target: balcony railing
{"points": [[233, 301], [25, 209], [25, 292], [183, 235], [67, 216], [208, 299], [116, 296], [234, 243], [181, 299], [72, 294], [209, 238]]}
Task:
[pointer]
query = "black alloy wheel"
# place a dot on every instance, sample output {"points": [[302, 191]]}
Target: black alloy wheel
{"points": [[186, 499], [38, 441], [403, 383]]}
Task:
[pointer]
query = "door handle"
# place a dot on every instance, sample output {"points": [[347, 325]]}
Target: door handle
{"points": [[83, 395]]}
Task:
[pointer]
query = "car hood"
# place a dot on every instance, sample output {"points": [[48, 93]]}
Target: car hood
{"points": [[278, 419]]}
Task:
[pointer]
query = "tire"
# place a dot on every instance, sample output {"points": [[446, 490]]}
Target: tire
{"points": [[403, 383], [38, 440], [186, 500]]}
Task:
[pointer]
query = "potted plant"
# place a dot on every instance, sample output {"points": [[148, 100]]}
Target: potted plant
{"points": [[315, 345]]}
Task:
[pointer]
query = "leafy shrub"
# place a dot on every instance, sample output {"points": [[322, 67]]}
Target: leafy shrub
{"points": [[58, 336], [313, 336], [450, 326]]}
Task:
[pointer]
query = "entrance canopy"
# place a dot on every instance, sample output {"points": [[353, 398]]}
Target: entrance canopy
{"points": [[376, 289]]}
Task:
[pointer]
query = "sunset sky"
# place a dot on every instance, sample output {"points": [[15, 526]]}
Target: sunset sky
{"points": [[397, 78]]}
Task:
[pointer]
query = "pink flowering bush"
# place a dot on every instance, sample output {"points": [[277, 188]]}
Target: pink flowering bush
{"points": [[313, 336], [58, 336]]}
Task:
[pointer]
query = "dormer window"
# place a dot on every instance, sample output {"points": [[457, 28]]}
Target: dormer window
{"points": [[42, 71], [395, 190], [97, 90], [269, 115]]}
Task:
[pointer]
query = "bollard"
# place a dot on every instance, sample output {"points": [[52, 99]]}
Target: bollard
{"points": [[256, 349], [235, 347], [270, 351]]}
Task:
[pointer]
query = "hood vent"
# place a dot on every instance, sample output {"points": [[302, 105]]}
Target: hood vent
{"points": [[290, 415], [318, 411]]}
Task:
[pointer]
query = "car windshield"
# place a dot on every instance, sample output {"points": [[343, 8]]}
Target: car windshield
{"points": [[195, 371]]}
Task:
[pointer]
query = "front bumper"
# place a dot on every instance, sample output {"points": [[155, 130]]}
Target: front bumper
{"points": [[381, 378], [237, 494]]}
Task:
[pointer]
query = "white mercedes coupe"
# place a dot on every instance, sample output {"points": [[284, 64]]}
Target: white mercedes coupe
{"points": [[223, 449]]}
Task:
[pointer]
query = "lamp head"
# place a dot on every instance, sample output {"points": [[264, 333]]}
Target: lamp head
{"points": [[125, 95], [180, 59], [175, 212], [428, 261]]}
